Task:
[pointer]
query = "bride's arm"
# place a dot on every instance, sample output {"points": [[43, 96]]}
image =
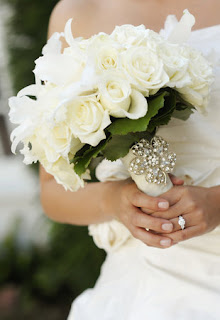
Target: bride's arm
{"points": [[82, 207], [99, 202]]}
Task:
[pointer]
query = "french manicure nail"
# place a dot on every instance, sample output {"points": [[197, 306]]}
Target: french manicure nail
{"points": [[167, 226], [165, 243], [163, 205]]}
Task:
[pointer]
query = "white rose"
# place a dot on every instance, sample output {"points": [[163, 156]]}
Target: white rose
{"points": [[152, 40], [75, 146], [58, 138], [107, 58], [103, 53], [87, 119], [128, 35], [144, 70], [175, 65], [201, 74], [119, 99], [64, 174]]}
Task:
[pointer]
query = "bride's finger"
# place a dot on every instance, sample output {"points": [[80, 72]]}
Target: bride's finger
{"points": [[185, 234], [156, 224], [148, 211], [173, 212], [151, 239], [190, 221], [139, 199], [175, 180]]}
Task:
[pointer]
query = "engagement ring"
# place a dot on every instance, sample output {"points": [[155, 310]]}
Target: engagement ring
{"points": [[181, 222]]}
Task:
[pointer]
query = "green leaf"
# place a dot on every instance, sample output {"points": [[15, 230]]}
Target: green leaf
{"points": [[125, 125], [183, 113], [92, 168], [181, 102], [119, 145], [81, 152], [164, 115], [184, 109], [83, 158]]}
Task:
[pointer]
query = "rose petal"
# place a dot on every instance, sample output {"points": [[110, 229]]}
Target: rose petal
{"points": [[138, 106]]}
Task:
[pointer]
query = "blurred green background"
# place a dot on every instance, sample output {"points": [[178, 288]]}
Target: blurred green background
{"points": [[40, 280]]}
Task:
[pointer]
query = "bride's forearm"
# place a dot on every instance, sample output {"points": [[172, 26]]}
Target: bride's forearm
{"points": [[84, 207]]}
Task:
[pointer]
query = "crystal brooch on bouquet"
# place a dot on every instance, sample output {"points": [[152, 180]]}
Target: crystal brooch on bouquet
{"points": [[153, 159]]}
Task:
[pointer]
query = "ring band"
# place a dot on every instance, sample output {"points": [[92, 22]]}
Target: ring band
{"points": [[181, 222]]}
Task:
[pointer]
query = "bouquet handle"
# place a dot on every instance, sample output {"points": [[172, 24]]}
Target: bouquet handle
{"points": [[148, 164]]}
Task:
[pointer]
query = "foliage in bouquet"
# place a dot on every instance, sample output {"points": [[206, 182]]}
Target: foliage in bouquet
{"points": [[101, 95]]}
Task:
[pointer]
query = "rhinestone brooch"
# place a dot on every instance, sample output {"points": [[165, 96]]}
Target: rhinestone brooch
{"points": [[152, 159]]}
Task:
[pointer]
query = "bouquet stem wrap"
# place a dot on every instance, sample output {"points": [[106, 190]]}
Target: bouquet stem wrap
{"points": [[149, 164]]}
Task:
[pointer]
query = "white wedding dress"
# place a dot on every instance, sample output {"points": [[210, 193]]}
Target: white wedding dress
{"points": [[181, 282]]}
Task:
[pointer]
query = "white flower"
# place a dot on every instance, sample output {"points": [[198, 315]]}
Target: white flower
{"points": [[87, 119], [129, 35], [119, 99], [178, 32], [56, 67], [64, 174], [56, 140], [201, 74], [107, 58], [102, 54], [47, 134], [144, 70], [25, 112], [175, 65], [48, 143]]}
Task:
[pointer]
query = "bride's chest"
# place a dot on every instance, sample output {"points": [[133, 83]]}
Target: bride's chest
{"points": [[94, 16]]}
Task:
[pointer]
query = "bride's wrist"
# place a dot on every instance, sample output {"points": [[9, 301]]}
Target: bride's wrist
{"points": [[107, 200], [215, 199], [110, 197]]}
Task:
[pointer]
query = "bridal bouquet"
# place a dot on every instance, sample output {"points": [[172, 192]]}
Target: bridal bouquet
{"points": [[105, 97]]}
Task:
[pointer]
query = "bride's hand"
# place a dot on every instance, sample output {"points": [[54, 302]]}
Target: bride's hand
{"points": [[200, 208], [126, 201]]}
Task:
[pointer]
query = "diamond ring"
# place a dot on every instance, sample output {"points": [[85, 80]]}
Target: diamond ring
{"points": [[181, 222]]}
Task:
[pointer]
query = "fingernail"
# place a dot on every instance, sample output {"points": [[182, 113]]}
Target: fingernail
{"points": [[163, 205], [167, 226], [165, 243]]}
